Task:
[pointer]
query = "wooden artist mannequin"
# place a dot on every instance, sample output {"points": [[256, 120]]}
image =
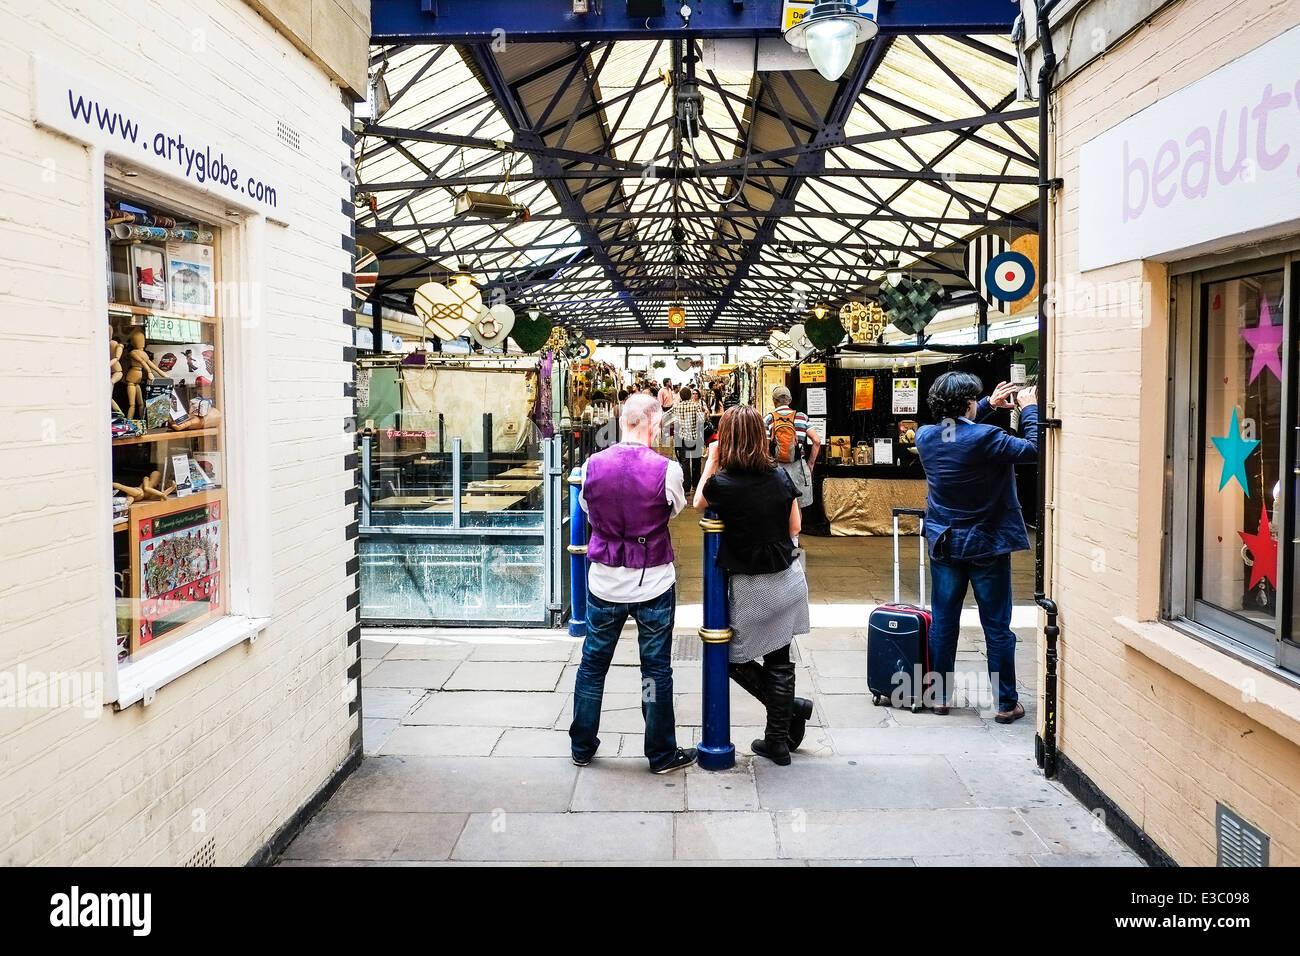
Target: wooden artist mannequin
{"points": [[150, 487], [114, 369], [141, 360]]}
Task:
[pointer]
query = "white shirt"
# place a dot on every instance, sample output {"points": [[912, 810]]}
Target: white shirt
{"points": [[633, 585]]}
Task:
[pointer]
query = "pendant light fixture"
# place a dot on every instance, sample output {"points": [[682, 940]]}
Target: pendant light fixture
{"points": [[830, 33]]}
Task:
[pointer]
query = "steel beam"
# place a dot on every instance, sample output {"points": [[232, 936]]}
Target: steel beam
{"points": [[459, 21]]}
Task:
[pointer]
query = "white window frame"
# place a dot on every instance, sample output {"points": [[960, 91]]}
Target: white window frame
{"points": [[246, 444], [1179, 605]]}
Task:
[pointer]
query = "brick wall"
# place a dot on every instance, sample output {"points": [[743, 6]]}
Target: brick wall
{"points": [[234, 748], [1163, 749]]}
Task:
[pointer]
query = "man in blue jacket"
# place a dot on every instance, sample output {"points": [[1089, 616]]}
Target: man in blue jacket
{"points": [[973, 522]]}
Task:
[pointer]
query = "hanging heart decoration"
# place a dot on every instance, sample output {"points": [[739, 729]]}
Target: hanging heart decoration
{"points": [[864, 321], [684, 364], [442, 311], [910, 303], [491, 326], [824, 333], [799, 340], [779, 344], [532, 330]]}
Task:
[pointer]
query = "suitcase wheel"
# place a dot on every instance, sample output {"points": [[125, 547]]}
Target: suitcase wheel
{"points": [[878, 700], [916, 708]]}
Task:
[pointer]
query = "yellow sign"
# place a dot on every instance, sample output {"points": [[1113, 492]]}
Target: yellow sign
{"points": [[676, 317], [864, 394], [792, 11], [812, 374]]}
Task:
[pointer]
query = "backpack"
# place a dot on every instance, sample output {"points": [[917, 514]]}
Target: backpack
{"points": [[785, 437]]}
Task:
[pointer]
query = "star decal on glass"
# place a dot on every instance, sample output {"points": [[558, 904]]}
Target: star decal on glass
{"points": [[1266, 341], [1235, 450], [1264, 550]]}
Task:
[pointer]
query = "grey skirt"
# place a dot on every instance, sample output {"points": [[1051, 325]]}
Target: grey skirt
{"points": [[767, 611]]}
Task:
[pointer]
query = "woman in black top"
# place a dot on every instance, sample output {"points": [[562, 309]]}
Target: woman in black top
{"points": [[758, 505]]}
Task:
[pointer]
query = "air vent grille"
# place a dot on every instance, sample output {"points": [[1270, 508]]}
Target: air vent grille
{"points": [[1240, 844], [205, 855], [287, 134]]}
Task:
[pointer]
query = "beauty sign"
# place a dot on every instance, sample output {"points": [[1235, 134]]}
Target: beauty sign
{"points": [[1219, 158]]}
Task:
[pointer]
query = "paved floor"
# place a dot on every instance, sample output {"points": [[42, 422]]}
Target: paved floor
{"points": [[467, 754]]}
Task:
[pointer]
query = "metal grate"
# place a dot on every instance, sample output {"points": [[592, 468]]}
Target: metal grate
{"points": [[1240, 844], [205, 855], [287, 134]]}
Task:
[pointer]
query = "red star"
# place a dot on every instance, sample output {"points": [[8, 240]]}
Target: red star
{"points": [[1264, 549]]}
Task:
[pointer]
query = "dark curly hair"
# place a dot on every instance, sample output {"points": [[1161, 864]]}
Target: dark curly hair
{"points": [[951, 393]]}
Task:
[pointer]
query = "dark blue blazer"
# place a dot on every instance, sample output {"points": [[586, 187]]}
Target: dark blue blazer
{"points": [[972, 510]]}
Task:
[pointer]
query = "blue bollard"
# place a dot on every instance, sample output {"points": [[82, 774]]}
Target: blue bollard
{"points": [[577, 558], [716, 749]]}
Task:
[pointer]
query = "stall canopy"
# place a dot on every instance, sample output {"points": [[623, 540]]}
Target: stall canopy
{"points": [[792, 192]]}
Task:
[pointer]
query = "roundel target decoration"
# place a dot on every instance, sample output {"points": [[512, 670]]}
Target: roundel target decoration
{"points": [[1009, 276]]}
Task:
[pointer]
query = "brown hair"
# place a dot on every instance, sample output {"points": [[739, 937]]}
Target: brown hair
{"points": [[742, 442]]}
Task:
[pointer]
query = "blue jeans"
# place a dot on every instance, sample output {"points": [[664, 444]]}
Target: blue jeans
{"points": [[654, 625], [991, 578]]}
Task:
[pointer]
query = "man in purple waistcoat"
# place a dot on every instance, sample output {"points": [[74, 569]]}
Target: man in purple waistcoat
{"points": [[630, 492]]}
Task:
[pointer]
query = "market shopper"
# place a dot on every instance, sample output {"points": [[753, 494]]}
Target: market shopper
{"points": [[630, 493], [973, 522], [689, 426], [756, 502], [795, 444]]}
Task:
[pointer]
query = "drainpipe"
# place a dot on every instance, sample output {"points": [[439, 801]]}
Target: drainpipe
{"points": [[1045, 745]]}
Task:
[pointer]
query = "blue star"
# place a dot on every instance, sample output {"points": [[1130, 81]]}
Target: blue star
{"points": [[1235, 450]]}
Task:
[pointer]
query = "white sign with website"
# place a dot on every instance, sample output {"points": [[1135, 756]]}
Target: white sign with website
{"points": [[102, 114], [1218, 158]]}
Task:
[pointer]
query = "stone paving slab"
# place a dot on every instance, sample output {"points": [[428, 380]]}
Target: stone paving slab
{"points": [[506, 675], [567, 836], [458, 784], [415, 674], [872, 834], [733, 789], [626, 783], [377, 835], [520, 651], [436, 740], [388, 702], [851, 783], [490, 708], [724, 836]]}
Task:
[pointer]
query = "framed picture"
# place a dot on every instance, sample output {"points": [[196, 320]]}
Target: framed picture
{"points": [[209, 462], [176, 564], [148, 276], [189, 271], [186, 363]]}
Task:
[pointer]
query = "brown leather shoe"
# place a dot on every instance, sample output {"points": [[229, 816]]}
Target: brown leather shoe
{"points": [[1007, 716], [941, 709]]}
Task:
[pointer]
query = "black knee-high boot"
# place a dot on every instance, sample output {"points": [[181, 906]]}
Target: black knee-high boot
{"points": [[775, 742], [749, 675]]}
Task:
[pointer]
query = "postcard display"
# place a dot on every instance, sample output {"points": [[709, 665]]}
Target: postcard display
{"points": [[169, 500]]}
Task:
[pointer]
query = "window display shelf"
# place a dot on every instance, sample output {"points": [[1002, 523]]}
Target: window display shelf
{"points": [[122, 308], [165, 435]]}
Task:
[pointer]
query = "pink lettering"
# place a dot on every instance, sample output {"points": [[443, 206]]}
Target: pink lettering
{"points": [[1227, 174], [1196, 189], [1131, 210], [1165, 164], [1268, 102]]}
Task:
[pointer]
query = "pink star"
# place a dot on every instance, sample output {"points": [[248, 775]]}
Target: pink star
{"points": [[1266, 340]]}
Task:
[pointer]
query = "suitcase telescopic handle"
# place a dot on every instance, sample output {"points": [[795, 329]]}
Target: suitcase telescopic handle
{"points": [[918, 513], [913, 512]]}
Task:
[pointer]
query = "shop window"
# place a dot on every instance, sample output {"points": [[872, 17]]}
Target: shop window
{"points": [[169, 477], [1229, 445]]}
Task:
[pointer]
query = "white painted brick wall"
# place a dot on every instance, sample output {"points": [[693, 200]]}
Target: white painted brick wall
{"points": [[1162, 749], [248, 737]]}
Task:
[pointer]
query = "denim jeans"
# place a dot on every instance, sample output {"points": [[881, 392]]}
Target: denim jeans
{"points": [[654, 624], [991, 579]]}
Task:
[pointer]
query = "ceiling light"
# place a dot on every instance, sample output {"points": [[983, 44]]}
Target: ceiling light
{"points": [[830, 33], [819, 311], [893, 273]]}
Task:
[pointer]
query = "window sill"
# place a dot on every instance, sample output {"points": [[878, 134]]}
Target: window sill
{"points": [[140, 680], [1257, 691]]}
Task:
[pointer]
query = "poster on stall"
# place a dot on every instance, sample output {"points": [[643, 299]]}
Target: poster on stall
{"points": [[816, 401], [811, 374], [906, 393], [817, 425], [178, 563], [864, 394], [884, 450]]}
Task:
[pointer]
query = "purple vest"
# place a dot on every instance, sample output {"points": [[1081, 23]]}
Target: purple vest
{"points": [[628, 508]]}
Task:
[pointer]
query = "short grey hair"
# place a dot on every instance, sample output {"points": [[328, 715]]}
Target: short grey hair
{"points": [[781, 395], [640, 409]]}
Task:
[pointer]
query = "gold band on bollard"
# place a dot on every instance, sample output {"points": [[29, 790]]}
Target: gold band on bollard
{"points": [[711, 525], [710, 636], [575, 481], [577, 549]]}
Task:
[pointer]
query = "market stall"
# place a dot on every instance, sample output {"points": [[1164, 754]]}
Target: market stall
{"points": [[463, 497], [868, 402]]}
